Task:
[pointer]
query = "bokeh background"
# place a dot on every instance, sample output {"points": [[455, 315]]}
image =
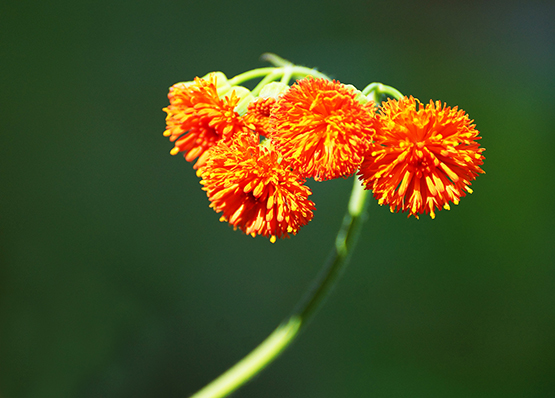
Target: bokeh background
{"points": [[117, 280]]}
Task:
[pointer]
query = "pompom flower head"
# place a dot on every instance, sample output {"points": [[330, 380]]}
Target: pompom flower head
{"points": [[258, 113], [246, 182], [197, 117], [257, 117], [321, 128], [422, 157]]}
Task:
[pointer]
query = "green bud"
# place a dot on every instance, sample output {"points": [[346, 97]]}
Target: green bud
{"points": [[363, 99], [222, 83], [273, 89], [245, 96]]}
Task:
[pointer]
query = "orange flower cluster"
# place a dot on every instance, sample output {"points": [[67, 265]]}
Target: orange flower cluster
{"points": [[413, 157], [422, 157]]}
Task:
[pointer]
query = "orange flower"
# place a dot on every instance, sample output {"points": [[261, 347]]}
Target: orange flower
{"points": [[258, 115], [422, 157], [197, 118], [321, 129], [246, 182]]}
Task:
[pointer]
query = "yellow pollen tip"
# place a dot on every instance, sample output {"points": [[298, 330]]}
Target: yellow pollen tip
{"points": [[174, 151], [273, 239]]}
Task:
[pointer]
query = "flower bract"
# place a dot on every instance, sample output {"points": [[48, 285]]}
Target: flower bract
{"points": [[246, 182], [422, 156]]}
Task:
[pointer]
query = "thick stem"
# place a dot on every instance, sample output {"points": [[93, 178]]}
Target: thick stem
{"points": [[345, 242], [254, 362], [286, 332]]}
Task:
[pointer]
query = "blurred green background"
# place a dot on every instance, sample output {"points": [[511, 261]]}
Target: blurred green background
{"points": [[117, 280]]}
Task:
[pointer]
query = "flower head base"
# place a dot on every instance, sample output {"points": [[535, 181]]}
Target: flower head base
{"points": [[197, 118], [321, 129], [422, 157], [256, 193]]}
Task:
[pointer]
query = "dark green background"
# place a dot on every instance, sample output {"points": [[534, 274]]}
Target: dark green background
{"points": [[117, 280]]}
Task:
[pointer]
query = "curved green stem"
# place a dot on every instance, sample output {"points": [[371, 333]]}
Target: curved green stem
{"points": [[286, 332], [345, 242], [282, 69], [275, 59], [251, 74], [290, 70], [379, 89], [269, 78], [287, 73]]}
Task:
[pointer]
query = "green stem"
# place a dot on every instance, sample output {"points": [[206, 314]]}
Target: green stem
{"points": [[275, 60], [282, 68], [269, 78], [291, 70], [251, 74], [286, 332], [303, 71], [379, 89], [287, 73]]}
